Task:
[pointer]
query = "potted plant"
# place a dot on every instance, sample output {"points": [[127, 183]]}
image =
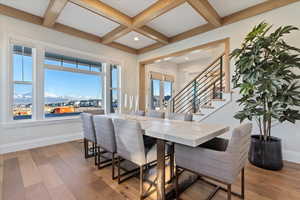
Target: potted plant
{"points": [[265, 75]]}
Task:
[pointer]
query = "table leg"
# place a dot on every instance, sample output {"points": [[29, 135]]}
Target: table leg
{"points": [[161, 170]]}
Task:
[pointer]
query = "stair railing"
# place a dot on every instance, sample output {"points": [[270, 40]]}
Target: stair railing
{"points": [[198, 92]]}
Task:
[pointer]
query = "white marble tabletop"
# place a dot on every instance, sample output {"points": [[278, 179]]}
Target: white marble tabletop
{"points": [[177, 131]]}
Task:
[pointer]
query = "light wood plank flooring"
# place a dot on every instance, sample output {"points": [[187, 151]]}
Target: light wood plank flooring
{"points": [[60, 172]]}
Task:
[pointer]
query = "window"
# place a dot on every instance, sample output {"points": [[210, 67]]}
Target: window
{"points": [[114, 88], [161, 90], [22, 64], [72, 85], [167, 93], [155, 94]]}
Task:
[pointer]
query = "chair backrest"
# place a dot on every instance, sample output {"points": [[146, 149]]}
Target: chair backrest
{"points": [[105, 133], [95, 112], [180, 116], [129, 138], [155, 114], [138, 113], [88, 126], [239, 145]]}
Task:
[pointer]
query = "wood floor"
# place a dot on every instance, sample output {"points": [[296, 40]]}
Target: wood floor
{"points": [[60, 172]]}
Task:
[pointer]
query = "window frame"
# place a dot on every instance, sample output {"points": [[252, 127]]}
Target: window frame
{"points": [[12, 82], [111, 89], [80, 71], [40, 47]]}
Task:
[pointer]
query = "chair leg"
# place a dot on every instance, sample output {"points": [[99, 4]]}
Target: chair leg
{"points": [[141, 182], [85, 144], [172, 162], [118, 166], [176, 183], [243, 184], [98, 156], [113, 165], [229, 192]]}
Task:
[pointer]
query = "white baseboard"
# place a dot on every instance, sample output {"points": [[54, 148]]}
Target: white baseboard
{"points": [[292, 156], [30, 144]]}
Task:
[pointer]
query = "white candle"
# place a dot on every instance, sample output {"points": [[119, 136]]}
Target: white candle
{"points": [[125, 101], [136, 103], [131, 103]]}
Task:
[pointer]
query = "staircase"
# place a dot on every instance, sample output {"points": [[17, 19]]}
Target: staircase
{"points": [[203, 95]]}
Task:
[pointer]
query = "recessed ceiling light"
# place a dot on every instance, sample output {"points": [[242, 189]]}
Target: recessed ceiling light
{"points": [[157, 61], [136, 38], [168, 58], [186, 58]]}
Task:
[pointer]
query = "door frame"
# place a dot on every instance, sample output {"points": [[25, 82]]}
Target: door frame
{"points": [[143, 75]]}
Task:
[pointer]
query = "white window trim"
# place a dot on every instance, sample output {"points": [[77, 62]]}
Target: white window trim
{"points": [[38, 76]]}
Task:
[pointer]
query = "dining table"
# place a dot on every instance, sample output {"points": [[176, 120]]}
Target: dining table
{"points": [[189, 133]]}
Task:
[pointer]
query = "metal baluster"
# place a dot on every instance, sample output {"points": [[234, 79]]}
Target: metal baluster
{"points": [[173, 102], [195, 96], [221, 77]]}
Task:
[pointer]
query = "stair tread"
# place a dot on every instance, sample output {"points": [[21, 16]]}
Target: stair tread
{"points": [[217, 99], [201, 114], [206, 106]]}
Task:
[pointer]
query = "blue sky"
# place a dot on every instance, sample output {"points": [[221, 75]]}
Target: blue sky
{"points": [[68, 84], [57, 83]]}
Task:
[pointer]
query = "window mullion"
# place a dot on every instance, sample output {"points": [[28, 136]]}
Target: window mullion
{"points": [[38, 83]]}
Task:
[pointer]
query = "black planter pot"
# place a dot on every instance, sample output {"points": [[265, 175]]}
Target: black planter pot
{"points": [[266, 154]]}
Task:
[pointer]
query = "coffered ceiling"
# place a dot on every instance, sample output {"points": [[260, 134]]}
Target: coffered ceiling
{"points": [[136, 26]]}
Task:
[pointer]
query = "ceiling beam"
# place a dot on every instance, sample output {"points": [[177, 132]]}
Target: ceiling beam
{"points": [[156, 10], [105, 10], [126, 22], [153, 34], [204, 8], [115, 34], [27, 17], [235, 17], [53, 11]]}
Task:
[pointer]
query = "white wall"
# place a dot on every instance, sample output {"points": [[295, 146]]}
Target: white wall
{"points": [[168, 68], [290, 14], [23, 135]]}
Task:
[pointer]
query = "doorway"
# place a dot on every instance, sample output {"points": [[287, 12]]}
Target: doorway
{"points": [[161, 93]]}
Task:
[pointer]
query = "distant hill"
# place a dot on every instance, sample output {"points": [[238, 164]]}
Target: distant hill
{"points": [[26, 98]]}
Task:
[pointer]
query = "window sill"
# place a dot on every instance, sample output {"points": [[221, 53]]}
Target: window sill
{"points": [[44, 122]]}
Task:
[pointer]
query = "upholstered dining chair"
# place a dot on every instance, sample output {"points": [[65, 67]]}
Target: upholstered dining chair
{"points": [[130, 146], [176, 116], [106, 142], [155, 114], [180, 116], [138, 113], [88, 135], [222, 166]]}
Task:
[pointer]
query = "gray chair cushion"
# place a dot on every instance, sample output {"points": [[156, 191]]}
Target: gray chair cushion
{"points": [[138, 113], [105, 133], [221, 165], [130, 143], [155, 114], [88, 126], [180, 116]]}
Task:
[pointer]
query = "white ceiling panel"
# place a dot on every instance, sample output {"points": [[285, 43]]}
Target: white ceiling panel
{"points": [[84, 20], [227, 7], [129, 40], [35, 7], [130, 7], [178, 20]]}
